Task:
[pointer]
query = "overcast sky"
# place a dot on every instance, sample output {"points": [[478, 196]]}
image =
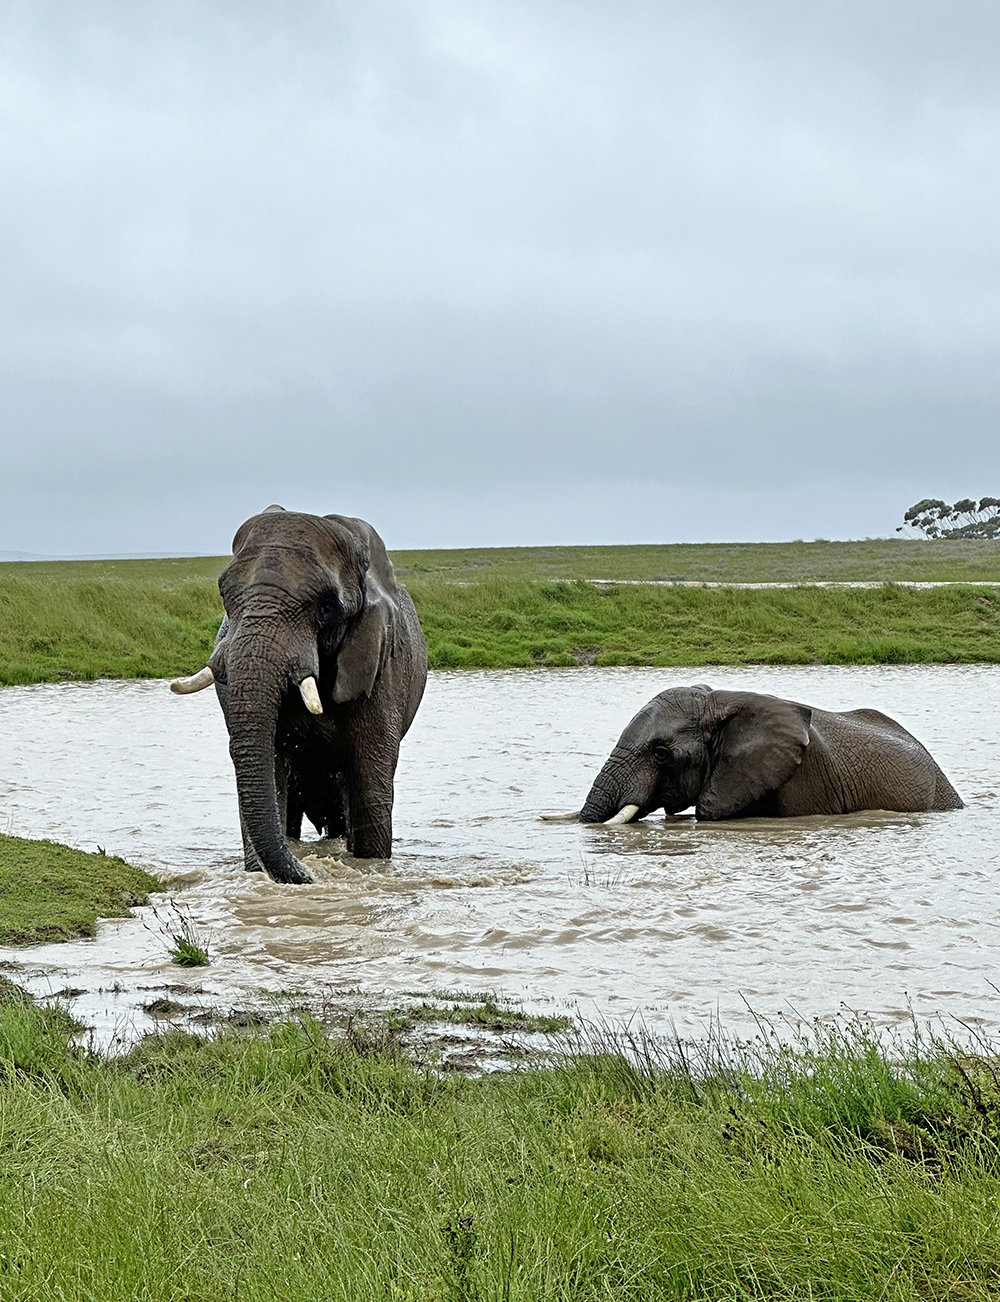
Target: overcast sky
{"points": [[495, 273]]}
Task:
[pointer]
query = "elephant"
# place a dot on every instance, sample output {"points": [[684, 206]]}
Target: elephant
{"points": [[745, 754], [319, 666]]}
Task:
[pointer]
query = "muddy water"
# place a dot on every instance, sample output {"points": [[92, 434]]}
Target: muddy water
{"points": [[672, 921]]}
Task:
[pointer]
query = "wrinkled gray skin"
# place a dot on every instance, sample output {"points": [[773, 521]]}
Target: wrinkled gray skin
{"points": [[743, 754], [315, 595]]}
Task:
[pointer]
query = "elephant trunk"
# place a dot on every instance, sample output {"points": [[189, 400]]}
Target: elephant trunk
{"points": [[615, 790], [256, 685]]}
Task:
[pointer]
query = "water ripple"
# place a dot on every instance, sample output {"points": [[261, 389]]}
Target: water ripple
{"points": [[674, 921]]}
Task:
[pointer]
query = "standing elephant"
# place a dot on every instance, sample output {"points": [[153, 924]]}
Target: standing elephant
{"points": [[319, 667], [743, 754]]}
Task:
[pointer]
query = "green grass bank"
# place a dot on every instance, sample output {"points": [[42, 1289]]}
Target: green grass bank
{"points": [[533, 606], [499, 623], [50, 892], [284, 1165]]}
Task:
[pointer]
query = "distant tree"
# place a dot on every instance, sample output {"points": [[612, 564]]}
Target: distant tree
{"points": [[965, 519]]}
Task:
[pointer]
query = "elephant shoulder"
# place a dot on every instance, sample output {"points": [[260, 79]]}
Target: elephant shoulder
{"points": [[879, 721], [873, 729]]}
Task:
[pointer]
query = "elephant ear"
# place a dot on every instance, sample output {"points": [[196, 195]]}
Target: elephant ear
{"points": [[372, 637], [759, 743], [365, 648]]}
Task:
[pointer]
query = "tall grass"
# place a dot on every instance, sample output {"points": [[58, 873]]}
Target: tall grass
{"points": [[283, 1165], [56, 623], [157, 619], [500, 622]]}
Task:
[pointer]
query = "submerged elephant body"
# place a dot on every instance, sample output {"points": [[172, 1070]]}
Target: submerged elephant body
{"points": [[319, 667], [744, 754]]}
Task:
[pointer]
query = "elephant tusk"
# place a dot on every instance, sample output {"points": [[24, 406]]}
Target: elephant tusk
{"points": [[624, 815], [310, 695], [184, 686]]}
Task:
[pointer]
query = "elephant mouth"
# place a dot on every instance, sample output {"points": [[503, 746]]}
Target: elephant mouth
{"points": [[619, 812], [612, 813]]}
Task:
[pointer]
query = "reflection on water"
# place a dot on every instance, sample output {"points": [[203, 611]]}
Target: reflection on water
{"points": [[670, 919]]}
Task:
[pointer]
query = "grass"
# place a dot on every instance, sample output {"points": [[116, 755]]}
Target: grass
{"points": [[531, 606], [104, 619], [183, 941], [50, 892], [500, 623], [882, 560], [485, 1011], [187, 952], [281, 1164]]}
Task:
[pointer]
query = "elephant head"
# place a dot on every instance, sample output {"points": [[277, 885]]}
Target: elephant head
{"points": [[308, 625], [719, 751]]}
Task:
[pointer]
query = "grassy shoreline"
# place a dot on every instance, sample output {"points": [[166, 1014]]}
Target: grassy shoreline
{"points": [[508, 624], [513, 608], [286, 1164], [51, 892]]}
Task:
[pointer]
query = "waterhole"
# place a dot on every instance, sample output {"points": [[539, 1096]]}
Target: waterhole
{"points": [[671, 922]]}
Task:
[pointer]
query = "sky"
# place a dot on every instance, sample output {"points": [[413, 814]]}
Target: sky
{"points": [[523, 272]]}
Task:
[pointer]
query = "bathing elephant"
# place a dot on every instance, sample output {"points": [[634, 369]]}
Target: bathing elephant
{"points": [[319, 667], [743, 754]]}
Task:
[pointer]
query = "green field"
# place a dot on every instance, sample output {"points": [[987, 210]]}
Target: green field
{"points": [[512, 607], [286, 1165]]}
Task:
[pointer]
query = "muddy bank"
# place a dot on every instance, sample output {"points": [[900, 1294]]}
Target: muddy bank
{"points": [[445, 1031]]}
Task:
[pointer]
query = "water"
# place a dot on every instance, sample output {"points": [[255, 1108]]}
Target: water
{"points": [[672, 922]]}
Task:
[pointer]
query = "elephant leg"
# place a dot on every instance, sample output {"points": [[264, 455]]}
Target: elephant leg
{"points": [[294, 807], [335, 822], [369, 790], [322, 796]]}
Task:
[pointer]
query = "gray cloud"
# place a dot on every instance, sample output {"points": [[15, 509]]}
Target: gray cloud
{"points": [[491, 273]]}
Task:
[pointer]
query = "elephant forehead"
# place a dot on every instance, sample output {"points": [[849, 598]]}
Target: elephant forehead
{"points": [[679, 707], [289, 529], [685, 700], [270, 563], [649, 724]]}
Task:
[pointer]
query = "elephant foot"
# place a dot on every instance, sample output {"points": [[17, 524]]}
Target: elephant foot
{"points": [[380, 849], [370, 839]]}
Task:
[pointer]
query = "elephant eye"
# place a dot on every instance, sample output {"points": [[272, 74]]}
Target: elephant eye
{"points": [[327, 610], [661, 754]]}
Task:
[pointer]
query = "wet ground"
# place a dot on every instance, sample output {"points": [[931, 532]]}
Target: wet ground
{"points": [[671, 922]]}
